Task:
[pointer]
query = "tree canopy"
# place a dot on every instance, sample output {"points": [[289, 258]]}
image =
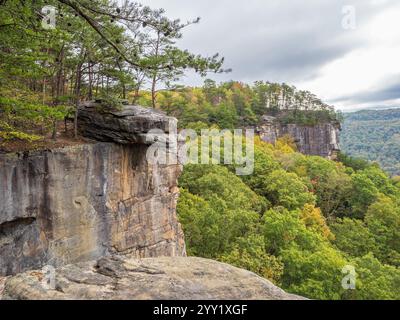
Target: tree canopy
{"points": [[298, 221], [98, 49]]}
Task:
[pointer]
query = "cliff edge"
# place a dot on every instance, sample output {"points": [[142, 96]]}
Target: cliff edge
{"points": [[81, 202]]}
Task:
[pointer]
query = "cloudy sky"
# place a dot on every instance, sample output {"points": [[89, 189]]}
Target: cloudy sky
{"points": [[312, 44]]}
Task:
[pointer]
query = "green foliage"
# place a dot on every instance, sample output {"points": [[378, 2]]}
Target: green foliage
{"points": [[298, 220], [312, 267], [363, 194], [351, 162], [309, 117], [283, 228], [17, 135], [353, 237], [18, 119], [215, 199], [287, 190], [235, 104], [201, 224], [95, 49], [383, 219], [250, 254], [315, 274], [375, 281], [218, 184], [263, 166], [381, 180], [374, 135]]}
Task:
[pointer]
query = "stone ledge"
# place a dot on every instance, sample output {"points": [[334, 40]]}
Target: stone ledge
{"points": [[130, 125], [126, 278]]}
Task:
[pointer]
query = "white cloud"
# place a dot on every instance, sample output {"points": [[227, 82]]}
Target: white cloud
{"points": [[298, 42], [364, 69]]}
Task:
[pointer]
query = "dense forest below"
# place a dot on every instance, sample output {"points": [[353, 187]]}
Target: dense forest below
{"points": [[298, 220], [373, 135]]}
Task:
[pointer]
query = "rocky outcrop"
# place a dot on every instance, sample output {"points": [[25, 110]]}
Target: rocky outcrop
{"points": [[131, 124], [125, 278], [79, 203], [320, 140]]}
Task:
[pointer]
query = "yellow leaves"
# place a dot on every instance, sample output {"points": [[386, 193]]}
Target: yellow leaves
{"points": [[283, 148], [286, 144], [197, 95], [396, 179], [144, 98], [263, 146], [19, 135], [315, 221], [301, 171]]}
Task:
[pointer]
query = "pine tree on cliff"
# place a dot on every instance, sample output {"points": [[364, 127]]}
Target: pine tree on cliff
{"points": [[105, 45]]}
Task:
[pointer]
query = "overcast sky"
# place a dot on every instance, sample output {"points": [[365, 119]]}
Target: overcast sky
{"points": [[300, 42]]}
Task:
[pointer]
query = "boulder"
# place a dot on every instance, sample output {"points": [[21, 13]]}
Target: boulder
{"points": [[130, 124]]}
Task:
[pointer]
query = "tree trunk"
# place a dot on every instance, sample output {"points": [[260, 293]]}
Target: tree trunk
{"points": [[78, 94], [154, 78], [136, 96], [57, 89], [153, 91], [77, 99], [90, 90]]}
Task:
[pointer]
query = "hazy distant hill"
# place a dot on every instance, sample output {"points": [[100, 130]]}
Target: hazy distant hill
{"points": [[374, 135]]}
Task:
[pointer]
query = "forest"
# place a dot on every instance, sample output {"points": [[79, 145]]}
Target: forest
{"points": [[297, 221], [95, 50], [234, 104], [120, 53], [374, 135]]}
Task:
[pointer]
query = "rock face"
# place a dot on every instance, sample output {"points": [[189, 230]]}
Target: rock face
{"points": [[125, 278], [320, 140], [82, 202]]}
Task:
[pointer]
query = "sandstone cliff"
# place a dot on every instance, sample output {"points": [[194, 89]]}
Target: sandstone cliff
{"points": [[79, 203], [320, 140]]}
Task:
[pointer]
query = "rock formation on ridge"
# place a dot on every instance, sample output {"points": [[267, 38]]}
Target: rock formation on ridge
{"points": [[321, 139]]}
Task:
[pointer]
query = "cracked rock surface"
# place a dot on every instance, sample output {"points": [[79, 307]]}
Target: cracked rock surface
{"points": [[127, 278]]}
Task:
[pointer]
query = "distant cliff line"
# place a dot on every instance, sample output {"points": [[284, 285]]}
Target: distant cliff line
{"points": [[319, 139]]}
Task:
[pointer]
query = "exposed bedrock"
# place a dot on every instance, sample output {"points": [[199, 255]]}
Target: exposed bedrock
{"points": [[126, 278], [79, 203], [320, 140]]}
